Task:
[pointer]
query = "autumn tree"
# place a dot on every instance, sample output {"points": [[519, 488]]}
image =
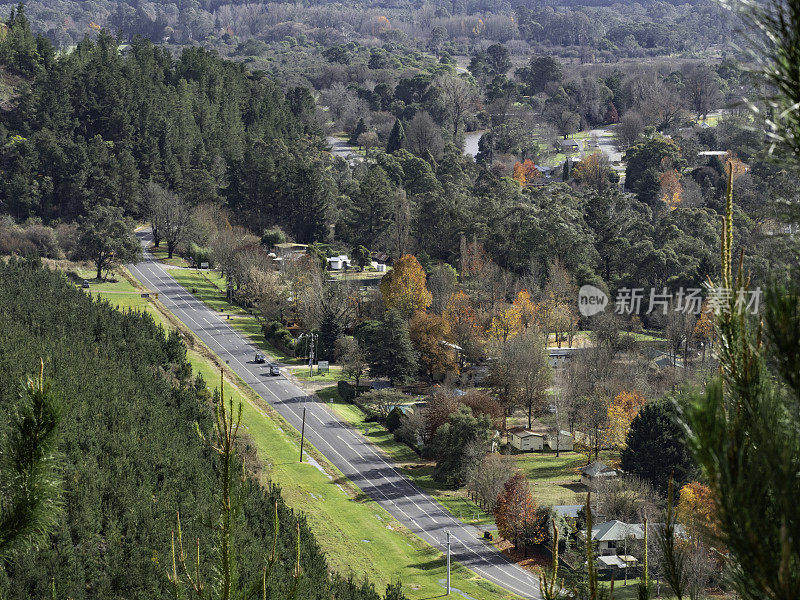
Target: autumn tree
{"points": [[505, 322], [465, 326], [525, 172], [671, 188], [403, 288], [621, 412], [593, 171], [430, 333], [515, 513], [526, 308], [696, 509]]}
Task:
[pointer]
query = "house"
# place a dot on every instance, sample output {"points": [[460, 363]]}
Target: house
{"points": [[591, 474], [287, 249], [570, 145], [561, 442], [337, 263], [524, 439], [568, 510], [559, 357], [610, 536]]}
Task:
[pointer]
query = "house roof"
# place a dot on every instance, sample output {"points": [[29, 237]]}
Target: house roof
{"points": [[616, 531], [568, 510], [523, 432], [597, 468]]}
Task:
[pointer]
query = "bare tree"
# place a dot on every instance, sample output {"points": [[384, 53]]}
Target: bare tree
{"points": [[702, 91], [458, 96], [523, 371], [628, 130], [423, 136], [486, 480]]}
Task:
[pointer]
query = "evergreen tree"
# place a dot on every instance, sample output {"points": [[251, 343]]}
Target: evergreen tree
{"points": [[391, 353], [396, 137], [655, 447]]}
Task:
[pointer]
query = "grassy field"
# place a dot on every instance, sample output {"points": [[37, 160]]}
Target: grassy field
{"points": [[160, 254], [358, 536], [556, 480]]}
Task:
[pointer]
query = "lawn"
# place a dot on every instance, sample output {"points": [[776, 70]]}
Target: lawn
{"points": [[333, 374], [631, 591], [358, 536], [556, 479], [160, 254]]}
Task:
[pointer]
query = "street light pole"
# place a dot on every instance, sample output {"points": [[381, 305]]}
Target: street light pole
{"points": [[448, 562]]}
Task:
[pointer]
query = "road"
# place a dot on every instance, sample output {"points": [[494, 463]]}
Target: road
{"points": [[356, 457]]}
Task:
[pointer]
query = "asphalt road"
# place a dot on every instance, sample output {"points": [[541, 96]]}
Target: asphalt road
{"points": [[356, 457]]}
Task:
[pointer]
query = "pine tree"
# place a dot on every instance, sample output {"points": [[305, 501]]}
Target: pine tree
{"points": [[29, 483], [396, 137]]}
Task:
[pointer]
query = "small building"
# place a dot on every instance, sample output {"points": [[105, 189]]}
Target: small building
{"points": [[525, 440], [561, 442], [591, 474], [286, 249], [337, 263], [559, 357], [568, 510], [610, 536], [570, 145]]}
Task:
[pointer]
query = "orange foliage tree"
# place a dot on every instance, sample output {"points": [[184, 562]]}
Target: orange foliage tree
{"points": [[403, 288], [525, 172], [464, 325], [671, 188], [621, 412], [515, 513], [429, 332]]}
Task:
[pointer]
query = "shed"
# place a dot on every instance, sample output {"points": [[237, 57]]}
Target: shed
{"points": [[591, 474], [562, 442], [525, 440]]}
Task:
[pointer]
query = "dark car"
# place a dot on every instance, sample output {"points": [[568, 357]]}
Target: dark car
{"points": [[260, 358], [273, 371], [85, 283]]}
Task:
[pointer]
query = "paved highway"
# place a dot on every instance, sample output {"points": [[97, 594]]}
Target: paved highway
{"points": [[356, 457]]}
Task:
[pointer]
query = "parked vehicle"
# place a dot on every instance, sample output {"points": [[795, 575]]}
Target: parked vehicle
{"points": [[85, 284]]}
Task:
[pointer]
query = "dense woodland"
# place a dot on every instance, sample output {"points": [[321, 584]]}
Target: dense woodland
{"points": [[128, 455]]}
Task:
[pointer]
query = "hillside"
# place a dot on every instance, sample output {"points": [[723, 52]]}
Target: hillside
{"points": [[129, 453]]}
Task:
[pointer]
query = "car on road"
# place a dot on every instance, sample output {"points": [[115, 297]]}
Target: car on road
{"points": [[260, 358], [273, 371]]}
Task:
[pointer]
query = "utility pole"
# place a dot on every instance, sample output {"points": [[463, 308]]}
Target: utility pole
{"points": [[302, 434], [311, 337], [448, 562]]}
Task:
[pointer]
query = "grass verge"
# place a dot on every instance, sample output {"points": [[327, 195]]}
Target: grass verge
{"points": [[358, 536]]}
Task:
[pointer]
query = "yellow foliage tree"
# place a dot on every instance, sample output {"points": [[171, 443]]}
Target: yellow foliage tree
{"points": [[526, 308], [505, 322], [403, 288], [671, 188], [696, 510], [621, 412]]}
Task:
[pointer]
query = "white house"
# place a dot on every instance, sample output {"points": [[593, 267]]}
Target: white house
{"points": [[591, 474], [337, 263], [610, 536], [562, 442], [525, 440]]}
